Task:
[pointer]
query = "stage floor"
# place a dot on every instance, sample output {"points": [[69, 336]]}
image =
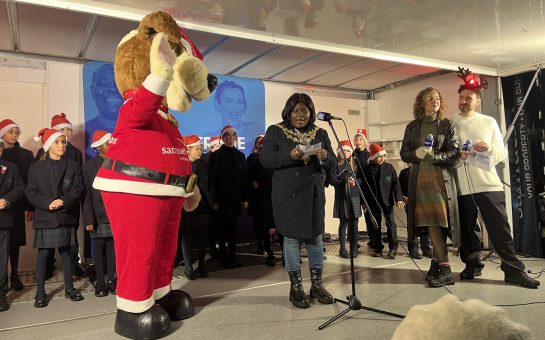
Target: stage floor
{"points": [[251, 302]]}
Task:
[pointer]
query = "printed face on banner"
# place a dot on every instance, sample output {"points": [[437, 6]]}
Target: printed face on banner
{"points": [[239, 102]]}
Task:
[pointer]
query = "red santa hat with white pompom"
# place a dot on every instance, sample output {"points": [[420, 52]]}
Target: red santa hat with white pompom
{"points": [[6, 125], [100, 137], [59, 122], [47, 136]]}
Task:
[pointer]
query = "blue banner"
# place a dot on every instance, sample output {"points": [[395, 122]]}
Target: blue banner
{"points": [[239, 102]]}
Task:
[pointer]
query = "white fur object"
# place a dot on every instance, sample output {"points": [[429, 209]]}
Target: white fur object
{"points": [[177, 97], [162, 57], [449, 318]]}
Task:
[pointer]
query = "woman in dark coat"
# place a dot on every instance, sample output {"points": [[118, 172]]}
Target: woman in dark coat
{"points": [[432, 187], [23, 159], [55, 186], [298, 194]]}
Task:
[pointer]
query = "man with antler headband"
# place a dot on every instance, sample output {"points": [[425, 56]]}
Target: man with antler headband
{"points": [[480, 190]]}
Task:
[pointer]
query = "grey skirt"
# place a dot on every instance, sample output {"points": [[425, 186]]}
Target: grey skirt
{"points": [[61, 236], [102, 231]]}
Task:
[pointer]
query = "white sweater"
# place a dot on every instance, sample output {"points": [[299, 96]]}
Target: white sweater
{"points": [[479, 128]]}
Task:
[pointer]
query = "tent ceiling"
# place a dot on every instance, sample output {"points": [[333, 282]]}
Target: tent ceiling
{"points": [[358, 45]]}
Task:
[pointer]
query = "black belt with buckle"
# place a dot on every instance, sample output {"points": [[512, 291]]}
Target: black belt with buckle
{"points": [[145, 173]]}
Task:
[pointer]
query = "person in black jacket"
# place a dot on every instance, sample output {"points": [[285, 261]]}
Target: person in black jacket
{"points": [[361, 156], [229, 188], [23, 159], [253, 165], [424, 237], [351, 214], [384, 192], [55, 186], [298, 191], [96, 220], [60, 123], [11, 193], [194, 224]]}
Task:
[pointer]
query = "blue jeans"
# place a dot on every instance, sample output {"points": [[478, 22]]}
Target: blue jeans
{"points": [[292, 252]]}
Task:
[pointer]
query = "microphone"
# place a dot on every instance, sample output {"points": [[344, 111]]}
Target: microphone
{"points": [[326, 117], [428, 142], [468, 145]]}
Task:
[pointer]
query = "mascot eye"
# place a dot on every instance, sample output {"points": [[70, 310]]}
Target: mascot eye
{"points": [[151, 31]]}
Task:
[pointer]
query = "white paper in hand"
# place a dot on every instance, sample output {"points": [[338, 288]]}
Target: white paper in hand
{"points": [[309, 150], [482, 160]]}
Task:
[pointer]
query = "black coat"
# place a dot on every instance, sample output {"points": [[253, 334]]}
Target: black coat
{"points": [[228, 180], [43, 188], [362, 158], [23, 158], [12, 190], [446, 153], [298, 194], [94, 211], [200, 168], [388, 185], [260, 205], [404, 181], [337, 178]]}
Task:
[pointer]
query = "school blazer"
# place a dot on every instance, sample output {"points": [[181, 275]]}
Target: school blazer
{"points": [[11, 189], [43, 188]]}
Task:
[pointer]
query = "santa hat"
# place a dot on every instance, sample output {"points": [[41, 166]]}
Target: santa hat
{"points": [[47, 136], [257, 139], [215, 140], [345, 145], [376, 151], [100, 137], [192, 140], [227, 128], [6, 125], [363, 133], [59, 122], [190, 45]]}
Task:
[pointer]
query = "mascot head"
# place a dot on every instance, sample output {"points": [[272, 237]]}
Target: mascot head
{"points": [[190, 80]]}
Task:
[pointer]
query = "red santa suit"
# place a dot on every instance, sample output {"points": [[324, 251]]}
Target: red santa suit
{"points": [[143, 187]]}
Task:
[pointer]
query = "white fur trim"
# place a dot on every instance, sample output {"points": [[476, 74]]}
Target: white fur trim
{"points": [[139, 188], [62, 126], [378, 154], [127, 37], [229, 129], [156, 84], [217, 141], [50, 140], [199, 142], [345, 148], [135, 306], [101, 141], [160, 292], [7, 128]]}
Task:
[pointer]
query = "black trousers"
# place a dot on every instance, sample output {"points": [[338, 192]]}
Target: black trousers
{"points": [[391, 230], [492, 208], [228, 233], [4, 254]]}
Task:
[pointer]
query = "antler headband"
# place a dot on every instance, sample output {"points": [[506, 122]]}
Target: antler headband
{"points": [[470, 82]]}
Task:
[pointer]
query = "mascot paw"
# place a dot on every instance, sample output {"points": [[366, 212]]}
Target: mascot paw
{"points": [[162, 57], [178, 305], [192, 202], [193, 75], [151, 324]]}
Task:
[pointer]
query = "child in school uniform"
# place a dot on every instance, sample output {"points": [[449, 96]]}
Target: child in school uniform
{"points": [[194, 224], [338, 178], [55, 186], [385, 191], [96, 220]]}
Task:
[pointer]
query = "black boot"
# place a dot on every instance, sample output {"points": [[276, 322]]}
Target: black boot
{"points": [[16, 283], [317, 289], [112, 286], [151, 324], [101, 289], [203, 272], [521, 278], [444, 277], [434, 269], [178, 305], [470, 271], [297, 294], [4, 305], [343, 253]]}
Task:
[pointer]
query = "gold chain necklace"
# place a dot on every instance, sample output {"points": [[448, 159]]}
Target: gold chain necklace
{"points": [[303, 138]]}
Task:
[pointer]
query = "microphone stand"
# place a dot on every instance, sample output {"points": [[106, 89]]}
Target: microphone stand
{"points": [[352, 301]]}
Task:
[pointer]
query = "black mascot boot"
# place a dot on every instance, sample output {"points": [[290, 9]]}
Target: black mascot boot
{"points": [[297, 294], [151, 324], [178, 305], [317, 289]]}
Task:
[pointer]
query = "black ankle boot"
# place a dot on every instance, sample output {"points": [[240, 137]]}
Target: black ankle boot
{"points": [[521, 278], [344, 253], [178, 305], [444, 277], [112, 286], [297, 294], [151, 324], [317, 289], [4, 305], [434, 269]]}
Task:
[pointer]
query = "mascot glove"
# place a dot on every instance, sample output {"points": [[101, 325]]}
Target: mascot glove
{"points": [[162, 57], [192, 202]]}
